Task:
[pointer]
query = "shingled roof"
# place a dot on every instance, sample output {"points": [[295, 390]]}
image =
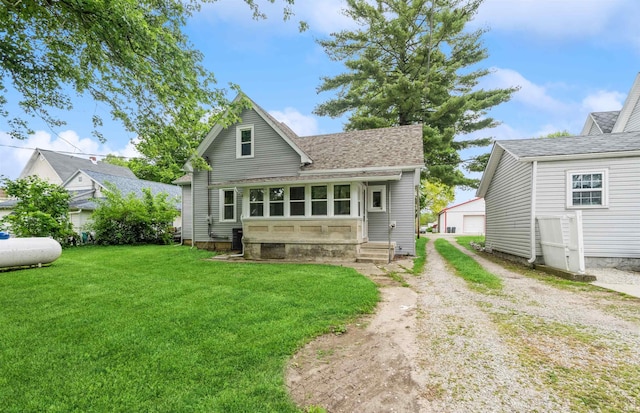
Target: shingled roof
{"points": [[605, 120], [374, 148], [573, 145], [66, 165], [134, 185]]}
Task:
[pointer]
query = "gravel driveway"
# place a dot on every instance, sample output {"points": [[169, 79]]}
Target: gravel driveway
{"points": [[441, 346]]}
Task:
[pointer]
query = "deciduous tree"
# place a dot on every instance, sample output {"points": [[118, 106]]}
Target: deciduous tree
{"points": [[130, 55]]}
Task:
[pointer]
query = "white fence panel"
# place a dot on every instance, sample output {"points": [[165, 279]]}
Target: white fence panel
{"points": [[562, 243]]}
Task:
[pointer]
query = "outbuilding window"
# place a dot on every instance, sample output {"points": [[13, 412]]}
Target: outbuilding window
{"points": [[587, 189]]}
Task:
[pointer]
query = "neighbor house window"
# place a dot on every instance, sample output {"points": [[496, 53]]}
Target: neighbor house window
{"points": [[296, 201], [256, 202], [227, 205], [377, 200], [587, 189], [319, 200], [276, 202], [244, 141], [341, 199]]}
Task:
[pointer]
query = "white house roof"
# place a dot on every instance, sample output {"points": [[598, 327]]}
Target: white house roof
{"points": [[572, 145], [552, 149]]}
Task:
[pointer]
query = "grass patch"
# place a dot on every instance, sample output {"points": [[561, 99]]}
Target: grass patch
{"points": [[466, 241], [588, 371], [421, 256], [157, 328], [467, 267]]}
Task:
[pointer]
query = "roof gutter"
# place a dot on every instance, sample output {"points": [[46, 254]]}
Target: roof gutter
{"points": [[534, 174]]}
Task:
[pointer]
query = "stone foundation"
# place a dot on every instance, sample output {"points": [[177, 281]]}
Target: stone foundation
{"points": [[623, 264], [300, 251]]}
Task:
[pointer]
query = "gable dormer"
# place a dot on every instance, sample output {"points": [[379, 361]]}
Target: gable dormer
{"points": [[257, 145]]}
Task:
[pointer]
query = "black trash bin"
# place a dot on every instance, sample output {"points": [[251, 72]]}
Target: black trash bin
{"points": [[236, 239], [453, 230]]}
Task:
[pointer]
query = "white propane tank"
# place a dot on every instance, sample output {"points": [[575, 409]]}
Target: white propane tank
{"points": [[20, 252]]}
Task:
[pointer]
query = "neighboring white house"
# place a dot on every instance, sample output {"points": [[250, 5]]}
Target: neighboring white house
{"points": [[597, 173], [344, 196], [464, 218], [85, 179], [86, 186]]}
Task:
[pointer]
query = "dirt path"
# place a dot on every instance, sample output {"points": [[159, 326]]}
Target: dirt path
{"points": [[438, 346]]}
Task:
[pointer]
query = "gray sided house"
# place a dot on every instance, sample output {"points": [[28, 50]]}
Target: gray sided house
{"points": [[342, 196], [596, 173]]}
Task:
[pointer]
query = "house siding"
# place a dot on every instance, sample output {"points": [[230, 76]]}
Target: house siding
{"points": [[594, 129], [272, 157], [508, 208], [186, 212], [200, 198], [633, 124], [607, 232], [401, 210], [43, 170]]}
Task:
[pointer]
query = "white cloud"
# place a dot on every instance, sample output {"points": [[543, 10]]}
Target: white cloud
{"points": [[14, 154], [301, 124], [530, 94], [603, 100], [554, 18]]}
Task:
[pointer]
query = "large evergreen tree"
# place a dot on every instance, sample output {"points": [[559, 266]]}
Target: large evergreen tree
{"points": [[414, 61]]}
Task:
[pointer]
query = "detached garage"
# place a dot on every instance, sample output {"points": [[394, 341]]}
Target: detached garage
{"points": [[464, 218]]}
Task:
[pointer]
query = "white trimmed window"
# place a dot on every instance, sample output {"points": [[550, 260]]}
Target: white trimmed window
{"points": [[587, 189], [256, 202], [296, 201], [319, 200], [276, 202], [342, 199], [377, 199], [244, 141], [227, 205]]}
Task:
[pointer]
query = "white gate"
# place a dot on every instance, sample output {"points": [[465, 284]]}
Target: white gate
{"points": [[561, 240]]}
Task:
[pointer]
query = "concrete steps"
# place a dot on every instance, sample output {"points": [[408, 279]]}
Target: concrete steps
{"points": [[375, 252]]}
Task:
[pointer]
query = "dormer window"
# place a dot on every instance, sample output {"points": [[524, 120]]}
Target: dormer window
{"points": [[244, 141]]}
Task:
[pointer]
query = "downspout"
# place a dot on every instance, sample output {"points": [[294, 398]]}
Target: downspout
{"points": [[534, 174], [388, 226], [193, 212]]}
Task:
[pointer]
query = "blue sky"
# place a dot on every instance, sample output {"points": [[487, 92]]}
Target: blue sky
{"points": [[569, 58]]}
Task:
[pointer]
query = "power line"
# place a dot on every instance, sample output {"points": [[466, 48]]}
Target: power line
{"points": [[65, 152]]}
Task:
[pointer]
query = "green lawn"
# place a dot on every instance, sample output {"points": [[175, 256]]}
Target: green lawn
{"points": [[421, 256], [158, 329], [468, 268]]}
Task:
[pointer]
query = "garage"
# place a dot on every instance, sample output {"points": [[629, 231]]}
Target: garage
{"points": [[473, 224]]}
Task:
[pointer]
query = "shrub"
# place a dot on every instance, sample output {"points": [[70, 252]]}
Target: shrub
{"points": [[42, 209], [130, 220]]}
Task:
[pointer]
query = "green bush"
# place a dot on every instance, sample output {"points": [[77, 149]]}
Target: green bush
{"points": [[42, 209], [127, 219]]}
